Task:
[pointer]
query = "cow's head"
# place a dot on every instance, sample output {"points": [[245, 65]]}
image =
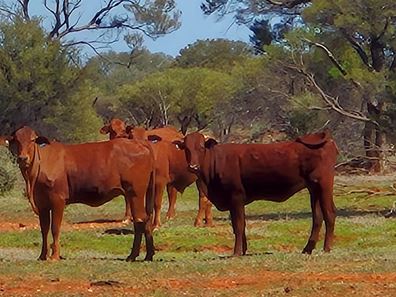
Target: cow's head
{"points": [[116, 129], [23, 143], [194, 146]]}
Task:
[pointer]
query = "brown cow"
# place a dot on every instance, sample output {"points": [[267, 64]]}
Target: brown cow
{"points": [[237, 174], [171, 169], [92, 173]]}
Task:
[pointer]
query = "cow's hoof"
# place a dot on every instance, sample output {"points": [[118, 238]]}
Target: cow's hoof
{"points": [[237, 254], [55, 258], [148, 258], [42, 258], [131, 258], [309, 247], [170, 215], [127, 221], [209, 224], [198, 223], [156, 227]]}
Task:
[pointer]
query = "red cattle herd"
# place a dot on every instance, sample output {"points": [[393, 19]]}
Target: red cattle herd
{"points": [[139, 164]]}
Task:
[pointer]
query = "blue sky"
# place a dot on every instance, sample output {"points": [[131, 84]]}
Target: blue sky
{"points": [[195, 26]]}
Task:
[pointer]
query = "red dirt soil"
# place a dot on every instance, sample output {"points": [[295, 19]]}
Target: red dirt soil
{"points": [[362, 284]]}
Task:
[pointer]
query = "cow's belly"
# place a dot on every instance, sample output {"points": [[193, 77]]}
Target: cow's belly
{"points": [[276, 187], [275, 193], [275, 190], [94, 198]]}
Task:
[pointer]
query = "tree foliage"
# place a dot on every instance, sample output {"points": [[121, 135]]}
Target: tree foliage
{"points": [[177, 95], [220, 54], [109, 21]]}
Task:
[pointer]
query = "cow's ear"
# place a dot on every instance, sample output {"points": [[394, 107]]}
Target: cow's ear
{"points": [[41, 140], [129, 128], [210, 143], [179, 144], [105, 129], [154, 138]]}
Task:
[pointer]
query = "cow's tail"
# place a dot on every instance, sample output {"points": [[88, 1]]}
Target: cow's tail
{"points": [[150, 195]]}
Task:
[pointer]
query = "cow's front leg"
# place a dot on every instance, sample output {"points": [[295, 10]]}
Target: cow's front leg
{"points": [[57, 216], [44, 217], [238, 225]]}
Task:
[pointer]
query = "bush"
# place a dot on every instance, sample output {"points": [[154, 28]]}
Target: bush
{"points": [[8, 171]]}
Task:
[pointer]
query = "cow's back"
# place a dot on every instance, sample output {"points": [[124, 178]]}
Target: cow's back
{"points": [[168, 133], [92, 170]]}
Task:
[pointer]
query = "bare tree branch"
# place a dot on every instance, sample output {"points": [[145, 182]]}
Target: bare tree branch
{"points": [[329, 54], [25, 8], [332, 102], [361, 52]]}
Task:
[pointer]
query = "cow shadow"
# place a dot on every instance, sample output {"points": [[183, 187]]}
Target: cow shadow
{"points": [[342, 212]]}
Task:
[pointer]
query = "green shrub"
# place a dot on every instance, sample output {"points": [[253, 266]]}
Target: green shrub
{"points": [[8, 171]]}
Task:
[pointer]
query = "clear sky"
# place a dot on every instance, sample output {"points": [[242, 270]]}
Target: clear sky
{"points": [[194, 26]]}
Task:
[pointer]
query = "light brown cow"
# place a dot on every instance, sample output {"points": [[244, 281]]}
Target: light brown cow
{"points": [[92, 173], [171, 169], [237, 174]]}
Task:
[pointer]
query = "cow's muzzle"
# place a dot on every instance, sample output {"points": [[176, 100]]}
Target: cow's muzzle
{"points": [[193, 167], [23, 161]]}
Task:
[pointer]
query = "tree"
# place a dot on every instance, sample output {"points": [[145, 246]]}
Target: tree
{"points": [[112, 20], [219, 54], [262, 35], [38, 80], [345, 51], [182, 96]]}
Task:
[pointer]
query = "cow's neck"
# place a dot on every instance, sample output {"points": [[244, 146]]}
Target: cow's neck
{"points": [[206, 173]]}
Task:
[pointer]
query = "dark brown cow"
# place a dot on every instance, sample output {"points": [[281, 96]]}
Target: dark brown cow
{"points": [[237, 174], [92, 173], [171, 169]]}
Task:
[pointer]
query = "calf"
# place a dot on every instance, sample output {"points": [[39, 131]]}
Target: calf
{"points": [[171, 168], [237, 174], [92, 173]]}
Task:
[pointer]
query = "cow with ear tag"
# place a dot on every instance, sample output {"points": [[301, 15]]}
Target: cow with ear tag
{"points": [[171, 169], [237, 174], [91, 173]]}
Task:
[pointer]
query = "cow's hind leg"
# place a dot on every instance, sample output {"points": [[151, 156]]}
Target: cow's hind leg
{"points": [[329, 214], [238, 225], [44, 216], [137, 241], [172, 195], [128, 215], [148, 234], [159, 191], [317, 219], [57, 216]]}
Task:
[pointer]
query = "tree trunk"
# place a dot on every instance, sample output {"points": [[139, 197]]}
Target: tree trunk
{"points": [[374, 139]]}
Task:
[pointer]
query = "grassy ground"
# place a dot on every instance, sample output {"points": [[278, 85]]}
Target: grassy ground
{"points": [[194, 261]]}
